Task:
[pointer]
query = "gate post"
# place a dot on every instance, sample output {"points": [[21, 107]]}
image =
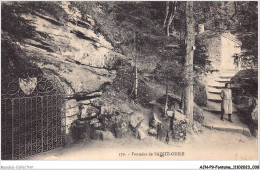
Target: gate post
{"points": [[12, 129]]}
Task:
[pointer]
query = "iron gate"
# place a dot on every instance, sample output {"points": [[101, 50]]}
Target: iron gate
{"points": [[32, 118]]}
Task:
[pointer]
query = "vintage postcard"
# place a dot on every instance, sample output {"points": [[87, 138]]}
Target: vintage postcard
{"points": [[129, 80]]}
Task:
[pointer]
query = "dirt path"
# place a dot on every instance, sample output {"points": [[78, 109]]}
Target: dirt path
{"points": [[209, 145]]}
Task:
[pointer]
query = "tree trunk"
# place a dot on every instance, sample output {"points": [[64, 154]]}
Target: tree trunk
{"points": [[172, 14], [167, 3], [136, 82], [235, 13], [169, 15], [188, 66], [166, 99], [136, 72]]}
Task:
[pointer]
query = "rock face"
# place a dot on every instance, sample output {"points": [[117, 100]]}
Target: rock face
{"points": [[69, 49], [141, 134], [152, 132], [136, 119], [105, 135], [88, 112], [93, 121], [179, 116], [108, 110], [65, 45], [70, 104]]}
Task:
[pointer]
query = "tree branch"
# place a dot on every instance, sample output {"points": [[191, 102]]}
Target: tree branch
{"points": [[166, 13], [170, 13]]}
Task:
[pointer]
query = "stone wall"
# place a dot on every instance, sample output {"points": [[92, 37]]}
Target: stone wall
{"points": [[221, 48], [94, 119], [230, 46], [71, 109], [214, 49]]}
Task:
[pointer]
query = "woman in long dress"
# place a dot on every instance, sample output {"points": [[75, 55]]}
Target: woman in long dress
{"points": [[226, 106]]}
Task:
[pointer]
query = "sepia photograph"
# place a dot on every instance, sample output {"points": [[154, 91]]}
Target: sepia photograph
{"points": [[129, 80]]}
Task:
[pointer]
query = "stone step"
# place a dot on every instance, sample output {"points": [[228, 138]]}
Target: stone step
{"points": [[213, 90], [240, 130], [215, 100], [217, 87], [225, 77], [216, 83], [231, 71], [227, 72], [224, 74], [214, 96], [221, 78], [221, 81], [212, 106], [215, 106], [218, 93]]}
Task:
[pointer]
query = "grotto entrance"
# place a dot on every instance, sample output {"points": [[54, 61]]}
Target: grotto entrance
{"points": [[32, 118]]}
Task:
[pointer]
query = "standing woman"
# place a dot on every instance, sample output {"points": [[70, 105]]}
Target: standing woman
{"points": [[226, 106]]}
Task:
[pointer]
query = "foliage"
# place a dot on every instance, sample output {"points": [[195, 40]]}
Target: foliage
{"points": [[14, 24], [214, 14], [247, 30], [11, 59], [200, 94], [14, 30], [118, 21], [246, 82], [201, 54]]}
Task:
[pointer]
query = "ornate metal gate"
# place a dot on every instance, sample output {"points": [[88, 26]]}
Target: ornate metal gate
{"points": [[32, 120]]}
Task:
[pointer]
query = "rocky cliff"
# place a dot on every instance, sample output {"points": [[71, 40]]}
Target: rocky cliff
{"points": [[79, 57]]}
